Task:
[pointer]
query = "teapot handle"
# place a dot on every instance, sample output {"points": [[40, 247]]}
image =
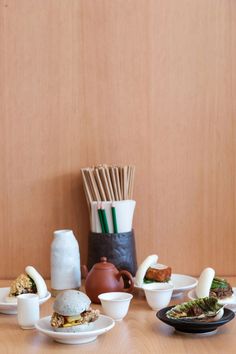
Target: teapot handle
{"points": [[129, 276]]}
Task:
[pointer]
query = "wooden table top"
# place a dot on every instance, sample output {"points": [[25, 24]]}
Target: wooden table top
{"points": [[139, 332]]}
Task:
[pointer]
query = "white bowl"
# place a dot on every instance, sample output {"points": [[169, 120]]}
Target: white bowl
{"points": [[158, 295], [115, 304]]}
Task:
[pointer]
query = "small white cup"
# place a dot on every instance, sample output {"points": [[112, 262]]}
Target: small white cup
{"points": [[27, 310], [115, 304], [158, 295]]}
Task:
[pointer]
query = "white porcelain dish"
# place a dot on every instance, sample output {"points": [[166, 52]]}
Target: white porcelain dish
{"points": [[229, 302], [102, 325], [180, 282], [10, 308]]}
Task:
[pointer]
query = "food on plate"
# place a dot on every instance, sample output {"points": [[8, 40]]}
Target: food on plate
{"points": [[72, 312], [204, 282], [150, 271], [140, 274], [220, 288], [29, 282], [207, 309], [209, 285], [158, 273]]}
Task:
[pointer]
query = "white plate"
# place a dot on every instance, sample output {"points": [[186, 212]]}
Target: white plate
{"points": [[10, 308], [181, 283], [229, 302], [101, 325]]}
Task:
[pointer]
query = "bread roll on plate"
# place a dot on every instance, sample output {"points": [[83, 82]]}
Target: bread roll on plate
{"points": [[39, 281], [142, 269], [30, 282]]}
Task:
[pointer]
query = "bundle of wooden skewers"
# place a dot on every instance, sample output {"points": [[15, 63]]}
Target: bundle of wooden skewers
{"points": [[108, 183], [109, 192]]}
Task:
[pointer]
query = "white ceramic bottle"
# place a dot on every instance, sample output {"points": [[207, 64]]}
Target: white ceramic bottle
{"points": [[65, 262]]}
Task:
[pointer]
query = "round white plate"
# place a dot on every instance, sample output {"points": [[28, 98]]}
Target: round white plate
{"points": [[101, 325], [10, 308], [229, 302], [181, 283]]}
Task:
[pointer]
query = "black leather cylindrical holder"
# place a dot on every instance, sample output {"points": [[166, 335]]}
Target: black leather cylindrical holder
{"points": [[119, 249]]}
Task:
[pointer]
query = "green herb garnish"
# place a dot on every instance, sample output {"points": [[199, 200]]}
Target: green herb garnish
{"points": [[149, 281], [33, 286], [219, 283]]}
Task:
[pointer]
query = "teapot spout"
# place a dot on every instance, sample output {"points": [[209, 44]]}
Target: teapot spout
{"points": [[84, 271]]}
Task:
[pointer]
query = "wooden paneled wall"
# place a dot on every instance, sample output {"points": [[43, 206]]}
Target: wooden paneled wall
{"points": [[148, 82]]}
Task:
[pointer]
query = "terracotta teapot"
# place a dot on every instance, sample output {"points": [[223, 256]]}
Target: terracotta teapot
{"points": [[104, 277]]}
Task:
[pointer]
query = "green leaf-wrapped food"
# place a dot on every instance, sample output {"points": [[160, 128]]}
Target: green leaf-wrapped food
{"points": [[199, 309]]}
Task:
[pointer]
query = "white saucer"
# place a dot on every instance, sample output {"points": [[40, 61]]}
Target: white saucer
{"points": [[101, 325], [10, 308], [229, 302], [181, 284]]}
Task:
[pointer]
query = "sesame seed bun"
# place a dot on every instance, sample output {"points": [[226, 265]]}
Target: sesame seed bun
{"points": [[71, 303]]}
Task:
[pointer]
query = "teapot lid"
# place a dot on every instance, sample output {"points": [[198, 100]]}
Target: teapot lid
{"points": [[103, 264]]}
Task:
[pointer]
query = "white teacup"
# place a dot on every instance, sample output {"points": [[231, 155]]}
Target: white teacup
{"points": [[158, 295], [115, 304]]}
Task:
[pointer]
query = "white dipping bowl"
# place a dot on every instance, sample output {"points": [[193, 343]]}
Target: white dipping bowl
{"points": [[158, 295], [115, 304]]}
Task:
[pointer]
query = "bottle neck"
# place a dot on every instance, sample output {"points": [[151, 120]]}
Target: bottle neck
{"points": [[63, 233]]}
